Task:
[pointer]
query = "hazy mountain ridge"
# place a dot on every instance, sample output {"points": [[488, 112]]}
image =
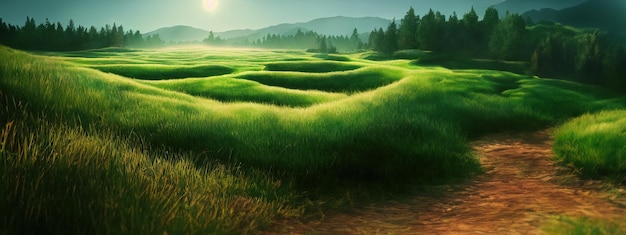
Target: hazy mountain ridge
{"points": [[338, 25], [521, 6], [604, 14], [180, 33], [609, 15]]}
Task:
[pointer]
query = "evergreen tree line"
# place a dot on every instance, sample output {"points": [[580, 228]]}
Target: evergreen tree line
{"points": [[433, 32], [54, 37], [313, 41], [213, 40], [588, 56], [324, 45]]}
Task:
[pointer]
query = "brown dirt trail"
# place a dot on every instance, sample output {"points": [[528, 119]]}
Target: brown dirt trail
{"points": [[521, 190]]}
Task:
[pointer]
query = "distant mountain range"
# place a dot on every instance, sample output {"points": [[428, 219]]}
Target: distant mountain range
{"points": [[609, 15], [338, 25], [180, 33], [521, 6]]}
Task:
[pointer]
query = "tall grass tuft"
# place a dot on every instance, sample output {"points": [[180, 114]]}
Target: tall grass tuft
{"points": [[595, 144], [58, 179]]}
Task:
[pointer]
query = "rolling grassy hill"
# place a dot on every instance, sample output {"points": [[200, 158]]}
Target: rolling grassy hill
{"points": [[278, 133]]}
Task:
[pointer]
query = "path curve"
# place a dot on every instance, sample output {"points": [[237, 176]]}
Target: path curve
{"points": [[521, 190]]}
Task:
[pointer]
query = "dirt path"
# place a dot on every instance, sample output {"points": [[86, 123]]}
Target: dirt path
{"points": [[521, 190]]}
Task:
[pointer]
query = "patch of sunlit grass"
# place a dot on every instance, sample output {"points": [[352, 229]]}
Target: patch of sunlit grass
{"points": [[562, 225], [227, 89], [594, 144]]}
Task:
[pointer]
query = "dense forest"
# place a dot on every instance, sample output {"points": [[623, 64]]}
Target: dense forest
{"points": [[54, 37], [552, 50]]}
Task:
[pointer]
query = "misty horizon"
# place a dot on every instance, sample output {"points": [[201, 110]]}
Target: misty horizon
{"points": [[218, 15]]}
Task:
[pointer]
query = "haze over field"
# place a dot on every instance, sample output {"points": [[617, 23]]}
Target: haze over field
{"points": [[218, 15]]}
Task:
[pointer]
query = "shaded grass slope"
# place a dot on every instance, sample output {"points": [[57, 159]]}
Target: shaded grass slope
{"points": [[452, 62], [162, 72], [347, 82], [310, 67]]}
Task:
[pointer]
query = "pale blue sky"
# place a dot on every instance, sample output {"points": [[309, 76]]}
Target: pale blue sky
{"points": [[147, 15]]}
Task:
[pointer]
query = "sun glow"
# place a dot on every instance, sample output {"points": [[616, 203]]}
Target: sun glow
{"points": [[209, 5]]}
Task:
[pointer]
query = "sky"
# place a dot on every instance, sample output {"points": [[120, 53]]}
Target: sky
{"points": [[217, 15]]}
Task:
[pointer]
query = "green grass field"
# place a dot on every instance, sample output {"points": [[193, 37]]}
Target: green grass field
{"points": [[279, 132]]}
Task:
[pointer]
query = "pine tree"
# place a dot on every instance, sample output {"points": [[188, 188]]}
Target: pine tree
{"points": [[470, 19], [508, 37], [487, 26], [4, 31], [427, 32], [377, 40], [323, 47], [490, 21], [452, 44], [356, 40], [407, 33], [391, 38], [471, 33], [70, 30], [28, 34]]}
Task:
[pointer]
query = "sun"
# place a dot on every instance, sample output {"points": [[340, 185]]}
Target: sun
{"points": [[209, 5]]}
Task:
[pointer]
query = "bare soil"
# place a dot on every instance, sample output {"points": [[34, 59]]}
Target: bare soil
{"points": [[521, 190]]}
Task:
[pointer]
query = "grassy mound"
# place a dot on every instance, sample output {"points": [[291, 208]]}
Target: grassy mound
{"points": [[161, 72], [410, 54], [436, 59], [310, 67], [332, 57], [351, 81], [595, 144], [228, 89], [94, 53]]}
